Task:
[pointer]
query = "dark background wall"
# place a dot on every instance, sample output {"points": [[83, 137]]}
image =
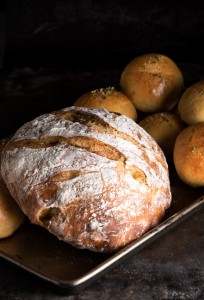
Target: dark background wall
{"points": [[99, 33], [52, 51]]}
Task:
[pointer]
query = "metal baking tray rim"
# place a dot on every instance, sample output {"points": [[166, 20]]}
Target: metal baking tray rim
{"points": [[120, 256]]}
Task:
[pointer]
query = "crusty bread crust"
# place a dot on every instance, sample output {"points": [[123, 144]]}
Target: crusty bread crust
{"points": [[11, 217], [95, 179]]}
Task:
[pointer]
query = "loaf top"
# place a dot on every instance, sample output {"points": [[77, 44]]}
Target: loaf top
{"points": [[84, 173]]}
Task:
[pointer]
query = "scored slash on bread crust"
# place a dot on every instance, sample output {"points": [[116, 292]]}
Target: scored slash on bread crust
{"points": [[95, 179]]}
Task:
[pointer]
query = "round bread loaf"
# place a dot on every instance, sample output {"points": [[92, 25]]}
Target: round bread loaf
{"points": [[164, 128], [93, 178], [11, 217], [153, 82], [110, 99], [189, 155], [191, 104]]}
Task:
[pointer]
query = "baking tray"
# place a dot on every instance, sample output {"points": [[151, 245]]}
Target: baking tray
{"points": [[67, 268]]}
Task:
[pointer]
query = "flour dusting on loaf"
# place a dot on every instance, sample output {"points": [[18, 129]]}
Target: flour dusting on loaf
{"points": [[94, 179]]}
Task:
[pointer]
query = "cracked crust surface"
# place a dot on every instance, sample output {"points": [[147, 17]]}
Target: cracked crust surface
{"points": [[95, 179]]}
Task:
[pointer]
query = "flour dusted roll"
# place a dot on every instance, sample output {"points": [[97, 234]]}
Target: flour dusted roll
{"points": [[93, 178]]}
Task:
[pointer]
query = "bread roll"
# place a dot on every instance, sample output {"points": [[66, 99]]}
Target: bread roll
{"points": [[110, 99], [95, 179], [189, 155], [164, 128], [153, 82], [11, 217], [191, 104]]}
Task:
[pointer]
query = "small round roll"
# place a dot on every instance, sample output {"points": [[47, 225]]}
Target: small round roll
{"points": [[11, 217], [110, 99], [189, 155], [191, 104], [153, 82], [164, 128]]}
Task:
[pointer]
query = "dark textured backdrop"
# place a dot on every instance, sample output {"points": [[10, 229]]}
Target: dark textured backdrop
{"points": [[96, 33], [57, 50]]}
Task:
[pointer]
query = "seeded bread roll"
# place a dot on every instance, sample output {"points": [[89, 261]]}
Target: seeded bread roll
{"points": [[95, 179], [191, 104], [153, 82], [189, 155], [110, 99], [164, 128], [11, 217]]}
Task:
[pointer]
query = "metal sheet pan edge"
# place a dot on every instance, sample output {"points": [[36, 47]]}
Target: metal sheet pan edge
{"points": [[120, 256]]}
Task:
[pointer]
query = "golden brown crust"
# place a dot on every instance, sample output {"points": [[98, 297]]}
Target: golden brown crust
{"points": [[189, 155], [164, 128], [191, 104], [110, 99], [153, 82], [11, 217], [95, 179]]}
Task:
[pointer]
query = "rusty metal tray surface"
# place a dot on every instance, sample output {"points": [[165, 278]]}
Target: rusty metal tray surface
{"points": [[39, 252]]}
